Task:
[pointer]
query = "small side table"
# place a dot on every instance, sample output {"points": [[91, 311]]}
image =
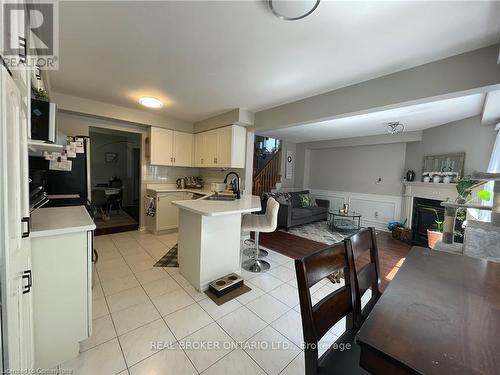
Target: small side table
{"points": [[345, 222]]}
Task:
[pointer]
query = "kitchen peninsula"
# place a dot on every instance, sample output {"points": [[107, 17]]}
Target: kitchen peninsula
{"points": [[209, 237]]}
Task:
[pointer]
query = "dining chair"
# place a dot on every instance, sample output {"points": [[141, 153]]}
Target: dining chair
{"points": [[364, 243], [318, 319]]}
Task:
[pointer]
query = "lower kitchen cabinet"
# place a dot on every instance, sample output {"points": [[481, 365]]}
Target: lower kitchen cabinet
{"points": [[62, 272], [166, 215]]}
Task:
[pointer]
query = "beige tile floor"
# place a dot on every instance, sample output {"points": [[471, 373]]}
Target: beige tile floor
{"points": [[135, 305]]}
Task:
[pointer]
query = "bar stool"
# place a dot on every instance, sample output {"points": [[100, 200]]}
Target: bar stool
{"points": [[260, 223]]}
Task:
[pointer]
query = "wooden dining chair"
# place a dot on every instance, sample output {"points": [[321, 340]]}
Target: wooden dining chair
{"points": [[318, 319], [364, 245]]}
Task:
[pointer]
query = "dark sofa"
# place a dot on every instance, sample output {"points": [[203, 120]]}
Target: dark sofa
{"points": [[291, 212]]}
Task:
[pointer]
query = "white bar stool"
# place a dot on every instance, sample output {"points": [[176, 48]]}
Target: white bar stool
{"points": [[260, 223]]}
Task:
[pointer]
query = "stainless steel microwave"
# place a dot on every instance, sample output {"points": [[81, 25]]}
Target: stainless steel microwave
{"points": [[43, 120]]}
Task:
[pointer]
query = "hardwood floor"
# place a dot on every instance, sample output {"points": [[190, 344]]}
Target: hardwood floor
{"points": [[391, 252]]}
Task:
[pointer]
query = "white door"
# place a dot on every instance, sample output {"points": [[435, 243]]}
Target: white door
{"points": [[224, 146], [15, 250], [183, 149], [167, 215], [199, 155], [210, 148], [161, 142]]}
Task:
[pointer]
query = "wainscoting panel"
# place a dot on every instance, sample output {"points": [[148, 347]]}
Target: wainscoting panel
{"points": [[377, 210]]}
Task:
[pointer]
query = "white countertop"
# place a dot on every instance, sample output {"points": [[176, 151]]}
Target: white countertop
{"points": [[249, 203], [175, 190], [52, 221]]}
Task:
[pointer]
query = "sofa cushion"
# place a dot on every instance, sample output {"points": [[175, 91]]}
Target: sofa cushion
{"points": [[295, 198], [316, 210], [300, 213]]}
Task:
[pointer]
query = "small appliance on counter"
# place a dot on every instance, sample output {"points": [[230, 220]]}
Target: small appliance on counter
{"points": [[191, 182]]}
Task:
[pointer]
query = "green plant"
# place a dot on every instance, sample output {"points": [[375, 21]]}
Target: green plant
{"points": [[40, 94], [464, 188], [439, 224]]}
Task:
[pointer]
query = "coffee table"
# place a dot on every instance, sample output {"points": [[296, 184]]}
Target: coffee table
{"points": [[345, 222]]}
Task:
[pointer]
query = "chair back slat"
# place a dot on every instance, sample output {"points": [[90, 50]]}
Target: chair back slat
{"points": [[331, 309], [323, 263], [367, 276]]}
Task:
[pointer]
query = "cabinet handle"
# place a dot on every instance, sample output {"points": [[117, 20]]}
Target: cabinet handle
{"points": [[26, 233], [201, 160], [174, 159], [27, 287]]}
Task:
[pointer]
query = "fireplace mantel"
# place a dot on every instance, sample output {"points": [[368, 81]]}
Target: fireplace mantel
{"points": [[430, 190]]}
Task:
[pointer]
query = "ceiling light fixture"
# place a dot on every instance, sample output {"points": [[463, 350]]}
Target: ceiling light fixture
{"points": [[395, 127], [150, 102], [292, 10]]}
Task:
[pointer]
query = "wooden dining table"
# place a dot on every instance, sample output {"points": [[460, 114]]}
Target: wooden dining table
{"points": [[439, 315]]}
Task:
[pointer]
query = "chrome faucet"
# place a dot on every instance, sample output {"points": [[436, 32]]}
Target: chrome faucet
{"points": [[236, 186]]}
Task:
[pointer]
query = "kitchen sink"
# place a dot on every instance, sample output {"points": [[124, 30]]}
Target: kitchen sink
{"points": [[221, 198]]}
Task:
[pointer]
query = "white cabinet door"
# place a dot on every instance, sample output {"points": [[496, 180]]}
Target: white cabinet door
{"points": [[224, 147], [167, 215], [210, 148], [199, 154], [160, 143], [15, 250], [183, 149]]}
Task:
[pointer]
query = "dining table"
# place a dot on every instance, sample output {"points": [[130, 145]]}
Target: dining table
{"points": [[439, 315]]}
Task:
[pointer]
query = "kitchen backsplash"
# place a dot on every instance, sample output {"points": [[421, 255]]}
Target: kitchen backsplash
{"points": [[163, 174]]}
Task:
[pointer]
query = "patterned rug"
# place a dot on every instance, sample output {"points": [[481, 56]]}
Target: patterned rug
{"points": [[319, 231], [169, 259]]}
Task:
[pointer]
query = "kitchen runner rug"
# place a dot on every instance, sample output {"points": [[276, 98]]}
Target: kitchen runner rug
{"points": [[169, 259]]}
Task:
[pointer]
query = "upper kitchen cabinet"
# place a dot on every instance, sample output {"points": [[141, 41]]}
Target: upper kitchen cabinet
{"points": [[223, 147], [168, 147]]}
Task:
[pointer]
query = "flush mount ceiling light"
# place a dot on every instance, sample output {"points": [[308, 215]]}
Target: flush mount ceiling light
{"points": [[292, 10], [150, 102], [395, 127]]}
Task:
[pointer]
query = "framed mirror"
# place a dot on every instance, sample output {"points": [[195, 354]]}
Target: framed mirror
{"points": [[453, 162]]}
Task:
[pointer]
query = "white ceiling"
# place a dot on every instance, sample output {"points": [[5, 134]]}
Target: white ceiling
{"points": [[415, 117], [204, 58]]}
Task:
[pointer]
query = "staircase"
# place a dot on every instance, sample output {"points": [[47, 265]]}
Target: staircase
{"points": [[265, 180]]}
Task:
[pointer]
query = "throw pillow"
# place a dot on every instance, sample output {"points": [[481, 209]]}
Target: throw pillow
{"points": [[306, 200]]}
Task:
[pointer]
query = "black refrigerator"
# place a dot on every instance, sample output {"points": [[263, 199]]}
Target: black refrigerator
{"points": [[63, 188]]}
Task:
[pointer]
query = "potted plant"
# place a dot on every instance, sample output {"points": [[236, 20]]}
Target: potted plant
{"points": [[433, 236], [41, 94]]}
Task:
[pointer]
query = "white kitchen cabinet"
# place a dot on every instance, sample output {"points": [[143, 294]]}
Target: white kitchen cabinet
{"points": [[161, 146], [168, 147], [15, 269], [183, 149], [62, 249], [224, 147], [166, 215]]}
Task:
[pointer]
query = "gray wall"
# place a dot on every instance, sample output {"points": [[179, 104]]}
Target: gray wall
{"points": [[357, 169], [463, 135]]}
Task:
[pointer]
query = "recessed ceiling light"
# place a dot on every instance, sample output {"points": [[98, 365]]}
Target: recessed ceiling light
{"points": [[150, 102]]}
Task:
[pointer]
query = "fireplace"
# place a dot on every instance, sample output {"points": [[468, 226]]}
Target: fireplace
{"points": [[423, 219]]}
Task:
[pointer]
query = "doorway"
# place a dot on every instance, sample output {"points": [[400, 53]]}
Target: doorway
{"points": [[115, 167]]}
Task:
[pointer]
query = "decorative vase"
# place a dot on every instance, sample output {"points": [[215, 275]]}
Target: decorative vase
{"points": [[436, 179], [447, 179], [427, 179], [433, 237]]}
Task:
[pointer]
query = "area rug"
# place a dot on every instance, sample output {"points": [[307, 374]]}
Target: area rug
{"points": [[319, 231], [169, 259]]}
